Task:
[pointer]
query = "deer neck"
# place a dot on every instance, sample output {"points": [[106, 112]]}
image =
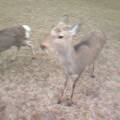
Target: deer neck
{"points": [[66, 55]]}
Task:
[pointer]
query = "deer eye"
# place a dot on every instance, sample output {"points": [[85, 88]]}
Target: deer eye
{"points": [[60, 37]]}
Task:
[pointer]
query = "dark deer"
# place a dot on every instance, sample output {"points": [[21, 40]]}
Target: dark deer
{"points": [[74, 58], [15, 36]]}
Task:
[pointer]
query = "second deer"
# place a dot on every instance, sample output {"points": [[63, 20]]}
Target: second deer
{"points": [[75, 58], [16, 36]]}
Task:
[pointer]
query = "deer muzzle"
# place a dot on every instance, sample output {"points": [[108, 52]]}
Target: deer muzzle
{"points": [[44, 46]]}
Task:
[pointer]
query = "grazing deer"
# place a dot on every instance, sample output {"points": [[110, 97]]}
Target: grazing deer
{"points": [[15, 36], [74, 58]]}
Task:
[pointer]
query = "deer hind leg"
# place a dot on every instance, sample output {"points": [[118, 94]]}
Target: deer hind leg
{"points": [[92, 70]]}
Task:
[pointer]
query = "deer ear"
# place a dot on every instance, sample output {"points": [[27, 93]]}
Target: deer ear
{"points": [[75, 29], [64, 19]]}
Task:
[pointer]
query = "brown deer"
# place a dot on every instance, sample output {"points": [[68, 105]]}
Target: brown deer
{"points": [[74, 58], [15, 36]]}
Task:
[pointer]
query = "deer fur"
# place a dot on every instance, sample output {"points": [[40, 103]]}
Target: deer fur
{"points": [[15, 36]]}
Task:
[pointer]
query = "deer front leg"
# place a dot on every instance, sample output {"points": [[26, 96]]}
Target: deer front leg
{"points": [[14, 57], [69, 101], [63, 90], [30, 45], [73, 89]]}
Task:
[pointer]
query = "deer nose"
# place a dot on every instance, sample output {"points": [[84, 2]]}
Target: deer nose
{"points": [[43, 46]]}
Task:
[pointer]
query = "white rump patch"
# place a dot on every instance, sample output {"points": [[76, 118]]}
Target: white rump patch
{"points": [[28, 31]]}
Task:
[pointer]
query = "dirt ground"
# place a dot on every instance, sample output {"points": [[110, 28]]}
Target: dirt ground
{"points": [[29, 88]]}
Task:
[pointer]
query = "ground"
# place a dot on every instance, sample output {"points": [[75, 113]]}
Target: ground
{"points": [[29, 87]]}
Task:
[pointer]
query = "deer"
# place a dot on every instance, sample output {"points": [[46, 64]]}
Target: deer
{"points": [[74, 58], [17, 36]]}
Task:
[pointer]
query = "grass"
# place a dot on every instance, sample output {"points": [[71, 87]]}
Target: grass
{"points": [[28, 86]]}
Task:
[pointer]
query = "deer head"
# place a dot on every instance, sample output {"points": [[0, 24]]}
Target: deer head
{"points": [[61, 36]]}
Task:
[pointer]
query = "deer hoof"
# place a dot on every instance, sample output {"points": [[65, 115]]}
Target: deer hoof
{"points": [[69, 102], [33, 57], [59, 101], [92, 76]]}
